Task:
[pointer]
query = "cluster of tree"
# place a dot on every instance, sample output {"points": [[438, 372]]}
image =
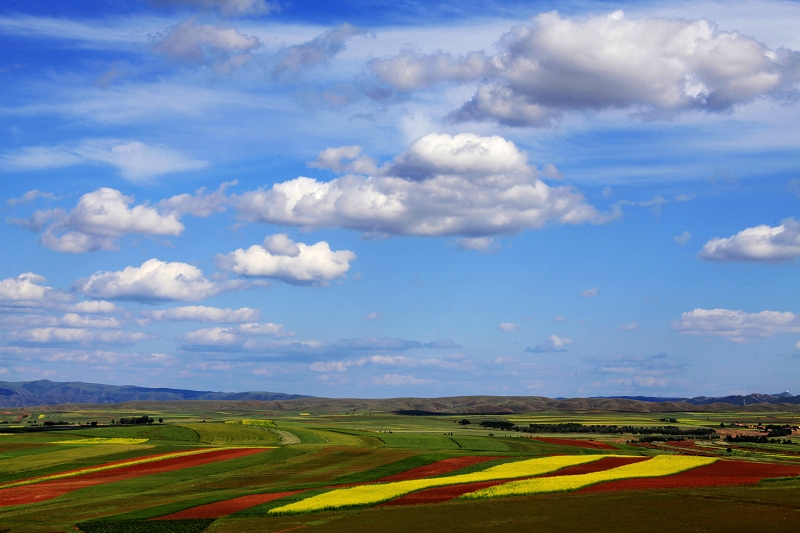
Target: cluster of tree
{"points": [[670, 420], [54, 423], [778, 431], [144, 419], [758, 439], [601, 430]]}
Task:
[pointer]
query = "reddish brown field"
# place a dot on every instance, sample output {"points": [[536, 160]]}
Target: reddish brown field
{"points": [[226, 507], [591, 444], [443, 494], [444, 466], [47, 490], [716, 474]]}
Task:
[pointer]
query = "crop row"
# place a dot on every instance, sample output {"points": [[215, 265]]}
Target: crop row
{"points": [[111, 466], [381, 492], [102, 440], [661, 465]]}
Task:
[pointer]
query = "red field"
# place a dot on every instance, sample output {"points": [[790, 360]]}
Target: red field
{"points": [[591, 444], [716, 474], [226, 507], [47, 490], [444, 466]]}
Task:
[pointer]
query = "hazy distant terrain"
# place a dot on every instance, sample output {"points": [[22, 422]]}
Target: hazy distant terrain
{"points": [[44, 392]]}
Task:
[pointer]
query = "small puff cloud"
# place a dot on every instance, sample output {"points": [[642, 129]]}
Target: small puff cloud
{"points": [[683, 238], [484, 245], [736, 326], [443, 185], [590, 293], [761, 244], [554, 344], [136, 161], [508, 326], [200, 313], [153, 280], [316, 51], [281, 258], [224, 48]]}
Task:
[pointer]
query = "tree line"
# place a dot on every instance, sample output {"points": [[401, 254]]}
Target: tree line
{"points": [[572, 427]]}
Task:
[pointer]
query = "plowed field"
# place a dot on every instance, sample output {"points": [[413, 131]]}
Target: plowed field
{"points": [[47, 490]]}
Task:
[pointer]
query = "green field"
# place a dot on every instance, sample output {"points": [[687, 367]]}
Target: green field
{"points": [[318, 451]]}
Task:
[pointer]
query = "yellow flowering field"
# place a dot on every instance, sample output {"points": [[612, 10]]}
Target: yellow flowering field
{"points": [[251, 422], [660, 465], [381, 492], [100, 440]]}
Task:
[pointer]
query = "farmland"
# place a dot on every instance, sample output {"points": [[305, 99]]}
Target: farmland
{"points": [[222, 467]]}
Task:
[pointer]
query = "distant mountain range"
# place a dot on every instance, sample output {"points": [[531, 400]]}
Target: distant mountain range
{"points": [[750, 399], [45, 392]]}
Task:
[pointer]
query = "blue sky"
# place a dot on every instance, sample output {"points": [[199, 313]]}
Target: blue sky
{"points": [[383, 199]]}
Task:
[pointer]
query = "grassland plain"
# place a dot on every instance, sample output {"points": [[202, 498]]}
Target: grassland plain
{"points": [[336, 449]]}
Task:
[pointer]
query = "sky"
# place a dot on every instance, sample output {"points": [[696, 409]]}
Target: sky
{"points": [[387, 199]]}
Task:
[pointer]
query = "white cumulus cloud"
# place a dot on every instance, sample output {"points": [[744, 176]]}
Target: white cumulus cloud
{"points": [[280, 257], [26, 290], [153, 280], [736, 326], [657, 67], [98, 221], [590, 293], [762, 244], [508, 326], [461, 185]]}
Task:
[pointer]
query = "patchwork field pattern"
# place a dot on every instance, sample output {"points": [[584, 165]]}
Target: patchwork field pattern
{"points": [[372, 494], [285, 471]]}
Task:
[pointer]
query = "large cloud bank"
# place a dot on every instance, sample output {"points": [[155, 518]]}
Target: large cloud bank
{"points": [[656, 66]]}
